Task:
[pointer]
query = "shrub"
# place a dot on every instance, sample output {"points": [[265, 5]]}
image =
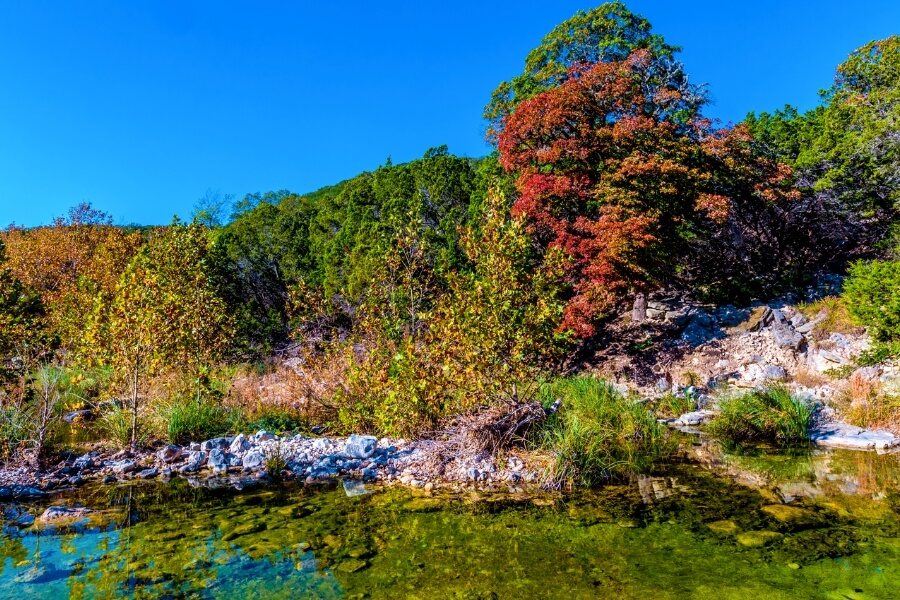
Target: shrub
{"points": [[115, 424], [598, 433], [275, 461], [772, 414], [872, 296]]}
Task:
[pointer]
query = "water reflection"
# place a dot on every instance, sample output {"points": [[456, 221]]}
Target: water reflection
{"points": [[726, 523]]}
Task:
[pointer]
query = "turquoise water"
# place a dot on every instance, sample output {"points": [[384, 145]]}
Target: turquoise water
{"points": [[716, 524]]}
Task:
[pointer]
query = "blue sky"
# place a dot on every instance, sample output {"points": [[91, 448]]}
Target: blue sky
{"points": [[141, 106]]}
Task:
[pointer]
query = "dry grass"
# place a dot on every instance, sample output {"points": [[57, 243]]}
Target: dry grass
{"points": [[809, 379], [836, 319]]}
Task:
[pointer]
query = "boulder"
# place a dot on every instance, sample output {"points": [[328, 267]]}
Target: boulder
{"points": [[361, 446], [264, 436], [798, 320], [218, 460], [85, 461], [120, 467], [253, 460], [239, 444], [169, 454], [148, 473], [843, 435], [774, 373], [198, 456], [220, 443], [694, 418], [786, 337]]}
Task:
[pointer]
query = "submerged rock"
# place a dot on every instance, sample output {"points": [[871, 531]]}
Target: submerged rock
{"points": [[756, 539]]}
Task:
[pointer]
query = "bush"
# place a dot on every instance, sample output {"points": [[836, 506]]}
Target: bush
{"points": [[772, 414], [872, 295], [599, 434]]}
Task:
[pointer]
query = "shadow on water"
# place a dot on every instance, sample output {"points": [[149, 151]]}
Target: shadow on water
{"points": [[720, 523]]}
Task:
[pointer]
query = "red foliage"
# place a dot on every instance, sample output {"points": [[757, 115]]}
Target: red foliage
{"points": [[610, 163]]}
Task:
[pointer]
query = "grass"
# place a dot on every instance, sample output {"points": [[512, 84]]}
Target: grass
{"points": [[669, 405], [275, 461], [195, 421], [598, 434], [837, 318], [772, 414]]}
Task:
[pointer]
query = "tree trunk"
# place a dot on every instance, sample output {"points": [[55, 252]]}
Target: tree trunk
{"points": [[639, 310], [134, 411]]}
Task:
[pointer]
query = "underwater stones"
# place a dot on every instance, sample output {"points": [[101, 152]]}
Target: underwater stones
{"points": [[757, 539], [351, 565], [353, 488], [239, 444], [169, 454], [253, 460], [791, 515], [723, 527], [245, 529], [422, 505], [57, 514], [361, 446]]}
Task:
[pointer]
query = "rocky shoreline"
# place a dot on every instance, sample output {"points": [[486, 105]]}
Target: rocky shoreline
{"points": [[246, 461]]}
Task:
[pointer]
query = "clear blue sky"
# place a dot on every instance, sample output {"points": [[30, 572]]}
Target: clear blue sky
{"points": [[140, 106]]}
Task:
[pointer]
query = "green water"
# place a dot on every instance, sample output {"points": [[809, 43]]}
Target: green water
{"points": [[713, 525]]}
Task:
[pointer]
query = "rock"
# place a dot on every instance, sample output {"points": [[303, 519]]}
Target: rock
{"points": [[694, 418], [198, 456], [361, 446], [774, 373], [55, 514], [253, 460], [473, 474], [791, 515], [679, 317], [809, 326], [121, 467], [77, 481], [194, 447], [797, 320], [353, 488], [832, 357], [757, 320], [220, 443], [264, 436], [110, 479], [169, 454], [78, 415], [786, 337], [235, 461], [843, 435], [239, 444], [723, 527], [191, 467], [148, 473], [639, 309], [218, 460], [352, 565], [85, 461], [756, 539], [778, 316]]}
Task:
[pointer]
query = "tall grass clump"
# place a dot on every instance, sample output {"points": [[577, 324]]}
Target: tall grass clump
{"points": [[194, 420], [772, 414], [598, 434]]}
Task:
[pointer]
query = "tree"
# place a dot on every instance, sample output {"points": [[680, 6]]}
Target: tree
{"points": [[23, 337], [166, 312], [69, 264], [609, 171], [212, 208], [608, 33]]}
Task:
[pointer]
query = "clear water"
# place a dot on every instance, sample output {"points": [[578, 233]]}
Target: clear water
{"points": [[703, 527]]}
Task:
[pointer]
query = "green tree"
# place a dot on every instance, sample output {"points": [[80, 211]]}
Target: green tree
{"points": [[607, 33], [166, 312]]}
